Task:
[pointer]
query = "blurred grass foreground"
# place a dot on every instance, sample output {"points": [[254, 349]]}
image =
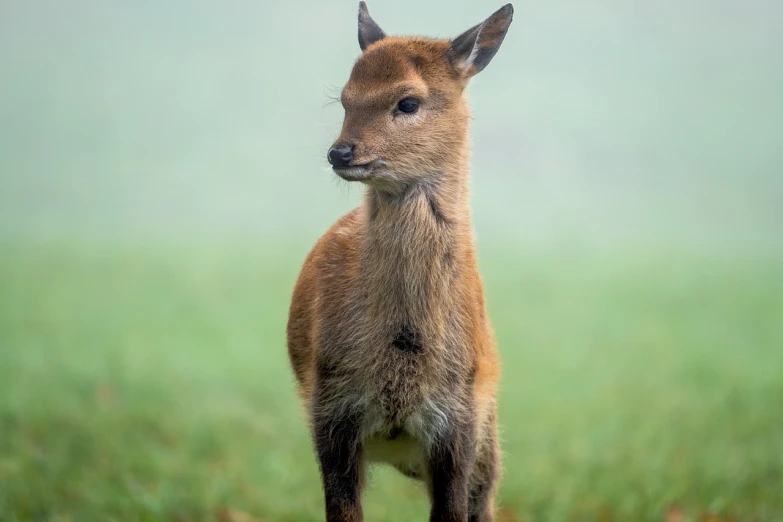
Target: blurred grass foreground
{"points": [[152, 384], [162, 177]]}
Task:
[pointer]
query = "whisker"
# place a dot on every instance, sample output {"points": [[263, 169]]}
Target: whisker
{"points": [[332, 94]]}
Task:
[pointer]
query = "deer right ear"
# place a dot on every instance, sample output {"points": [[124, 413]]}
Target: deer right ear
{"points": [[369, 31], [472, 50]]}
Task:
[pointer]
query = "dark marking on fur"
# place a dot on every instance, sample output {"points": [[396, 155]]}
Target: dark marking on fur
{"points": [[327, 370], [418, 61], [395, 433], [407, 340], [372, 204], [448, 258], [472, 373], [436, 213]]}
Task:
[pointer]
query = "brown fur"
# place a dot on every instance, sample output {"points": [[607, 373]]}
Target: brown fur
{"points": [[387, 334]]}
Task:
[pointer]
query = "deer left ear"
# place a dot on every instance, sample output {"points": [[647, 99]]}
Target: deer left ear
{"points": [[473, 50], [369, 31]]}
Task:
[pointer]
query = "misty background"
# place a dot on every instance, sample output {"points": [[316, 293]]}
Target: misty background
{"points": [[163, 174], [599, 121]]}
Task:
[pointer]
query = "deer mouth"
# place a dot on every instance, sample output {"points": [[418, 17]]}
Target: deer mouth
{"points": [[354, 172]]}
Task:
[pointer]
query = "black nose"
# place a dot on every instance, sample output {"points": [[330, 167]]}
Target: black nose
{"points": [[340, 155]]}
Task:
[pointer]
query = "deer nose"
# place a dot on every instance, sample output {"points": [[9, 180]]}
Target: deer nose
{"points": [[340, 156]]}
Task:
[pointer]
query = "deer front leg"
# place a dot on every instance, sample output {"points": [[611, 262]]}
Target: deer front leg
{"points": [[450, 463], [483, 480], [339, 451]]}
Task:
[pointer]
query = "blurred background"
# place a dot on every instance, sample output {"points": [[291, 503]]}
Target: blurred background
{"points": [[163, 175]]}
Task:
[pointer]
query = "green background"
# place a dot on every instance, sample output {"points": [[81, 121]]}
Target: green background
{"points": [[163, 174]]}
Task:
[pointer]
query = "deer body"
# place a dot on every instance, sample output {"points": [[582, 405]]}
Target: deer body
{"points": [[387, 333]]}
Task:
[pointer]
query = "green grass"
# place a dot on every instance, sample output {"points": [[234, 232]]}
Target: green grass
{"points": [[151, 383]]}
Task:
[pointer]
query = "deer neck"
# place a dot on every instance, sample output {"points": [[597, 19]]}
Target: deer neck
{"points": [[411, 246]]}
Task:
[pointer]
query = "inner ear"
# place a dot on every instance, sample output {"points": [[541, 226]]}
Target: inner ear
{"points": [[369, 31], [472, 51]]}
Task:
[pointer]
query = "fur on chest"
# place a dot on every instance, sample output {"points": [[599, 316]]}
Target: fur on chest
{"points": [[400, 365]]}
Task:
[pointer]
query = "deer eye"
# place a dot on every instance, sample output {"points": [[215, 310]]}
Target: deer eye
{"points": [[408, 105]]}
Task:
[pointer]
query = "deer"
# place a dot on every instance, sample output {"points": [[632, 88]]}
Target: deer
{"points": [[388, 337]]}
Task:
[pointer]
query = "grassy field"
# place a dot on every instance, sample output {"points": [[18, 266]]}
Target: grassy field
{"points": [[144, 382], [627, 195]]}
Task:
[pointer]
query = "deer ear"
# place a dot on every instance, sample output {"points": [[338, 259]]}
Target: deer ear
{"points": [[369, 31], [473, 50]]}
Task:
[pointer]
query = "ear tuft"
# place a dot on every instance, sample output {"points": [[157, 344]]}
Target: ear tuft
{"points": [[369, 31], [472, 51]]}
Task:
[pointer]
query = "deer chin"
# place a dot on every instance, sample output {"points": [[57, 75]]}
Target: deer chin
{"points": [[353, 173], [375, 174]]}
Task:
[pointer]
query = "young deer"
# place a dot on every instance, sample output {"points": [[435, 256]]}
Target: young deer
{"points": [[387, 333]]}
